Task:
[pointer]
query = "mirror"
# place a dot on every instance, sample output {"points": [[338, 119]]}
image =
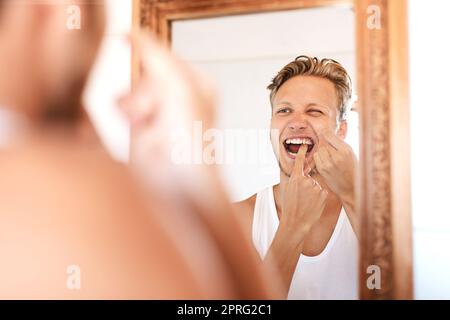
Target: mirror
{"points": [[242, 45], [242, 54]]}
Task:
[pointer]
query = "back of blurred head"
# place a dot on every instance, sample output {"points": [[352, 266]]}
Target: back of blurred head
{"points": [[46, 56]]}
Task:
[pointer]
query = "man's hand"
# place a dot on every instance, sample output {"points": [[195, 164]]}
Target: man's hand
{"points": [[303, 199], [168, 98], [336, 163]]}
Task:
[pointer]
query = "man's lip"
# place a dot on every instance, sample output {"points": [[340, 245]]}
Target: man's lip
{"points": [[308, 154]]}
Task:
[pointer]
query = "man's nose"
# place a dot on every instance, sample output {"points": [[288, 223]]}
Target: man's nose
{"points": [[298, 123]]}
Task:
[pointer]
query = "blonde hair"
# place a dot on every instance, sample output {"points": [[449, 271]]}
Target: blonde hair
{"points": [[325, 68]]}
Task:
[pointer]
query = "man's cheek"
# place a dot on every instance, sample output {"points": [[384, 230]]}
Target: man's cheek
{"points": [[275, 140], [318, 126], [322, 143]]}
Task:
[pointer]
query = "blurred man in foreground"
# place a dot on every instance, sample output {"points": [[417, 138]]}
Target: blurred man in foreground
{"points": [[73, 223]]}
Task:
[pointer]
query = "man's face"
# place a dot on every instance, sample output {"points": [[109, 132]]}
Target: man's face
{"points": [[302, 109]]}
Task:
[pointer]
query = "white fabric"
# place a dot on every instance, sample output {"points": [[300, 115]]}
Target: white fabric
{"points": [[333, 274]]}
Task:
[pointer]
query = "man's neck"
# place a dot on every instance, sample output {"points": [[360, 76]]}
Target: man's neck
{"points": [[20, 88]]}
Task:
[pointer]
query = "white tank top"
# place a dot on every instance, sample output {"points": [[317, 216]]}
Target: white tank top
{"points": [[333, 274]]}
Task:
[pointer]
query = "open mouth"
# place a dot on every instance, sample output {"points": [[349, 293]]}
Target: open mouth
{"points": [[292, 145]]}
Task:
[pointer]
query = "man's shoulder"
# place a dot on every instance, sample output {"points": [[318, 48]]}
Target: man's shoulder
{"points": [[244, 212], [246, 204]]}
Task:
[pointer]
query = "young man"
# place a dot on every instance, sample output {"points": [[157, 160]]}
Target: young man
{"points": [[306, 225]]}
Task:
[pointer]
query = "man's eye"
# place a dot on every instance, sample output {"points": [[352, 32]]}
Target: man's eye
{"points": [[284, 110], [315, 112]]}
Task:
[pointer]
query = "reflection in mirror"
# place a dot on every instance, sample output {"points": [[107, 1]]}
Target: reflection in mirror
{"points": [[303, 222]]}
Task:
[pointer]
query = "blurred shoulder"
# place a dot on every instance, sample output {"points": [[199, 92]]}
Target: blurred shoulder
{"points": [[70, 203], [246, 205]]}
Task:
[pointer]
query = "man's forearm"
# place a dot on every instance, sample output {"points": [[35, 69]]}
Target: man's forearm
{"points": [[283, 254], [350, 209]]}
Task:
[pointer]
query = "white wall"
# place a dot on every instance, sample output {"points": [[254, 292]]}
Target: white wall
{"points": [[111, 77], [430, 156], [242, 54]]}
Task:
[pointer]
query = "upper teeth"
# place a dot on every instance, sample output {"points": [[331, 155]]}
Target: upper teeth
{"points": [[299, 141]]}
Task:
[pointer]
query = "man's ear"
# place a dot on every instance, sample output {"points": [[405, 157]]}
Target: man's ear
{"points": [[342, 129]]}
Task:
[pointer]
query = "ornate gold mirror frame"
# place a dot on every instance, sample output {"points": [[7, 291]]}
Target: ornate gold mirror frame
{"points": [[383, 107]]}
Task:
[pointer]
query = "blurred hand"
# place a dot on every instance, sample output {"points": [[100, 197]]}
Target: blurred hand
{"points": [[167, 99]]}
